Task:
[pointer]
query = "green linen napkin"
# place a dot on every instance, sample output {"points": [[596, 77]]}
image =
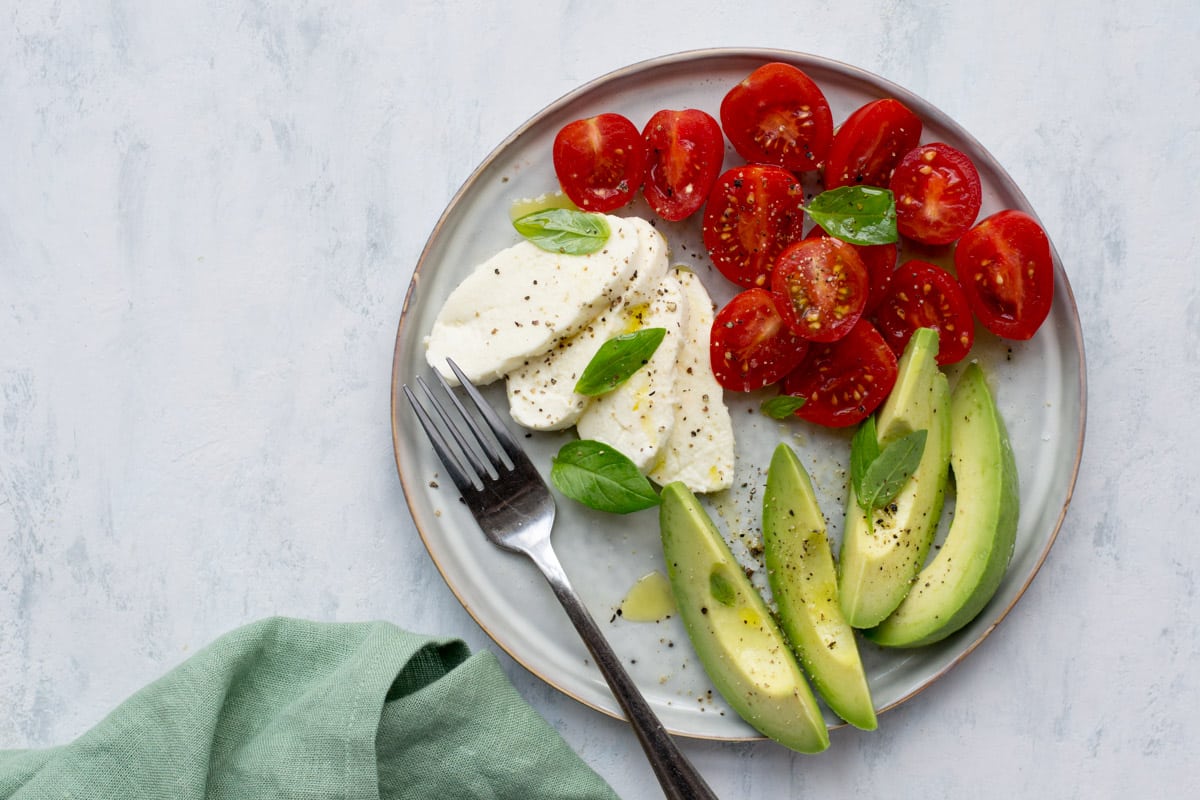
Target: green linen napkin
{"points": [[286, 708]]}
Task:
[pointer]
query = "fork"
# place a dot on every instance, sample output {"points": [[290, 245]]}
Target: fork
{"points": [[515, 510]]}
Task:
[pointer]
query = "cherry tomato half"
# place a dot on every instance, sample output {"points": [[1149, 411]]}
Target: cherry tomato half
{"points": [[938, 194], [778, 115], [750, 346], [926, 296], [821, 285], [600, 161], [880, 260], [844, 381], [1007, 273], [752, 213], [684, 151], [870, 143]]}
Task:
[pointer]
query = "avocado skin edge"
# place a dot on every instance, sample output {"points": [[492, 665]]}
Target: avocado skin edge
{"points": [[979, 440], [801, 573], [794, 720]]}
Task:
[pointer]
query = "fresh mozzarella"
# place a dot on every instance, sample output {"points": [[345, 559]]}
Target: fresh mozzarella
{"points": [[699, 451], [636, 418], [541, 392], [522, 301]]}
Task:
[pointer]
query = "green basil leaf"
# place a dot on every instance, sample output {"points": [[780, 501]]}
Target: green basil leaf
{"points": [[864, 448], [856, 214], [782, 406], [891, 469], [721, 588], [598, 476], [617, 359], [564, 230]]}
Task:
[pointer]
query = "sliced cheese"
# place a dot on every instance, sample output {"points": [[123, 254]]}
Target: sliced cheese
{"points": [[700, 449], [637, 417], [541, 391], [523, 300]]}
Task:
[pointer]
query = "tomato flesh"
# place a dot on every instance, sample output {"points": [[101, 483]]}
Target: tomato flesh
{"points": [[880, 261], [844, 381], [684, 151], [778, 115], [938, 194], [600, 161], [923, 295], [870, 143], [750, 346], [752, 213], [821, 285], [1007, 273]]}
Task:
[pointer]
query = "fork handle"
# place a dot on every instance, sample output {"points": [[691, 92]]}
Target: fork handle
{"points": [[679, 779]]}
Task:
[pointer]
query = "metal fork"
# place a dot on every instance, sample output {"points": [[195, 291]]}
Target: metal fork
{"points": [[515, 509]]}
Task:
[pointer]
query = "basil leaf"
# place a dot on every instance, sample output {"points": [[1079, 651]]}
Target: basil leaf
{"points": [[864, 448], [782, 406], [856, 214], [598, 476], [891, 469], [721, 588], [617, 359], [564, 230]]}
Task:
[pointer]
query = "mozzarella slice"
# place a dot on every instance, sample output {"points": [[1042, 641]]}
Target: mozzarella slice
{"points": [[700, 449], [541, 392], [636, 418], [523, 300]]}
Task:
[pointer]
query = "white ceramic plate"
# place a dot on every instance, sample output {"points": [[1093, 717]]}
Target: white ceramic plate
{"points": [[1039, 386]]}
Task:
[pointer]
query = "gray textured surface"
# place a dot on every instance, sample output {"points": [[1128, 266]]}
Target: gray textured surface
{"points": [[208, 220]]}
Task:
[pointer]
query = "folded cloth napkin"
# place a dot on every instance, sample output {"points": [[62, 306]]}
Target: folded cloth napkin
{"points": [[286, 708]]}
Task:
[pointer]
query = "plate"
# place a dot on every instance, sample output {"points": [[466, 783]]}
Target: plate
{"points": [[1039, 385]]}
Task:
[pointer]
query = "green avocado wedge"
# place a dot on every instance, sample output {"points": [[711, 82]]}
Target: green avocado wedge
{"points": [[961, 579], [741, 648], [881, 555], [803, 581]]}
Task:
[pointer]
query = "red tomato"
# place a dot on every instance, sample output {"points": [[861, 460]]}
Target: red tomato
{"points": [[684, 151], [600, 161], [821, 285], [844, 381], [869, 144], [925, 296], [938, 194], [752, 213], [777, 115], [1007, 273], [750, 346], [880, 260]]}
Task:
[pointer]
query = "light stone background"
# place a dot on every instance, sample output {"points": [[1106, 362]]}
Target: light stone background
{"points": [[209, 214]]}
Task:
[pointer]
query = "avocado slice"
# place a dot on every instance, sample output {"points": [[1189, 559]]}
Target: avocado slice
{"points": [[803, 581], [742, 649], [881, 556], [967, 570]]}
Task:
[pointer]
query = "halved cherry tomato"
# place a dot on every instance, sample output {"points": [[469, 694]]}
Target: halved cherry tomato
{"points": [[880, 260], [750, 346], [844, 381], [600, 161], [752, 213], [938, 194], [822, 286], [870, 143], [926, 296], [684, 151], [778, 115], [1007, 273]]}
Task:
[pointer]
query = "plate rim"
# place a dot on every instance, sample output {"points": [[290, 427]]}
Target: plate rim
{"points": [[800, 59]]}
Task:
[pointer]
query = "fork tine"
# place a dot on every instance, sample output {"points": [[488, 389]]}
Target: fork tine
{"points": [[464, 482], [471, 453], [516, 453], [486, 443]]}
